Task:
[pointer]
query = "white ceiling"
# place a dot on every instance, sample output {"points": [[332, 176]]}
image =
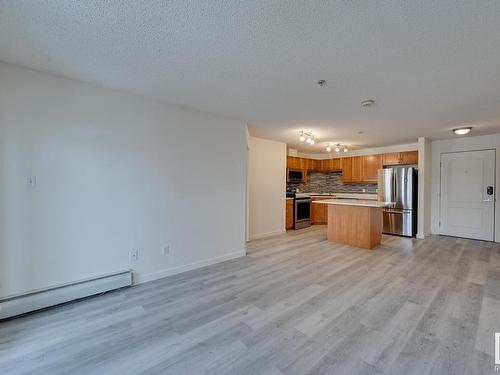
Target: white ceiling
{"points": [[430, 65]]}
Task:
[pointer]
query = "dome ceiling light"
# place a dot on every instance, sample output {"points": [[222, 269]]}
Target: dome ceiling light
{"points": [[462, 131]]}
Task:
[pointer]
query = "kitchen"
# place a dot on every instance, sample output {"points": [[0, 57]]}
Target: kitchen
{"points": [[353, 178]]}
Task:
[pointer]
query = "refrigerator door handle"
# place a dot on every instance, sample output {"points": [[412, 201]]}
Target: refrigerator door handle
{"points": [[401, 212]]}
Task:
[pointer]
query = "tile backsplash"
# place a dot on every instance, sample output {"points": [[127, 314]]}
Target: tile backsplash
{"points": [[329, 182]]}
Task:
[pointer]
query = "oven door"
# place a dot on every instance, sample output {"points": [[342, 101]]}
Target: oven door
{"points": [[302, 213]]}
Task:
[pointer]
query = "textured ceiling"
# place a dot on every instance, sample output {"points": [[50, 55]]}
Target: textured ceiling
{"points": [[430, 65]]}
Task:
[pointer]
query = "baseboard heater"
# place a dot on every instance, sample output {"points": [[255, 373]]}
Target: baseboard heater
{"points": [[39, 299]]}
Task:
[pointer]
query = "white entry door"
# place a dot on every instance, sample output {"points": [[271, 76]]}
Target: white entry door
{"points": [[468, 194]]}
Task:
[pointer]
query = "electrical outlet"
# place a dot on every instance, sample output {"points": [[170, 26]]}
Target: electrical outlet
{"points": [[31, 181], [165, 250], [133, 256]]}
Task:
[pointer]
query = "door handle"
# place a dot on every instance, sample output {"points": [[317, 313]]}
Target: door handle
{"points": [[487, 200]]}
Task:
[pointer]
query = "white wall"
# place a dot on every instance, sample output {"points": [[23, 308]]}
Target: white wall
{"points": [[115, 172], [463, 144], [267, 174]]}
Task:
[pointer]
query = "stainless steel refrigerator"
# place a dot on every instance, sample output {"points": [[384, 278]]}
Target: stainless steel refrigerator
{"points": [[399, 185]]}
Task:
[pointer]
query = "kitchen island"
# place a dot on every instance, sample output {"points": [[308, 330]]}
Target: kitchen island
{"points": [[355, 222]]}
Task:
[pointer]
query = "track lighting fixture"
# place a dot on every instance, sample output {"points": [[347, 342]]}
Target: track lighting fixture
{"points": [[338, 147], [307, 137]]}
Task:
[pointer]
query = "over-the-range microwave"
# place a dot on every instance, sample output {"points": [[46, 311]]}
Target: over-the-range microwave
{"points": [[295, 175]]}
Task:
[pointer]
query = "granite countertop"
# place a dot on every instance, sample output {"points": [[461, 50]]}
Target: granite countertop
{"points": [[355, 202]]}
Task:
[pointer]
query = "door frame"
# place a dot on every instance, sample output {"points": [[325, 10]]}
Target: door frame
{"points": [[495, 188]]}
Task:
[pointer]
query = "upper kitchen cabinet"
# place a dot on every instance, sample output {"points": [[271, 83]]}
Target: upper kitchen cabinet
{"points": [[307, 164], [392, 158], [410, 157], [361, 169], [396, 158], [292, 162], [324, 165], [347, 170], [296, 163], [357, 169], [331, 165], [317, 165], [370, 166]]}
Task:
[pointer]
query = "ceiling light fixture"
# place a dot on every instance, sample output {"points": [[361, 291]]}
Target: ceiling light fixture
{"points": [[367, 103], [307, 137], [462, 131], [339, 147], [328, 148]]}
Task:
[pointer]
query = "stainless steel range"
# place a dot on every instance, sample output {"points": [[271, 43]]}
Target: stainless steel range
{"points": [[302, 212]]}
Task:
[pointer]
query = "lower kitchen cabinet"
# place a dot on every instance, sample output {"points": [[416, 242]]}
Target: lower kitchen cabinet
{"points": [[289, 214], [319, 212]]}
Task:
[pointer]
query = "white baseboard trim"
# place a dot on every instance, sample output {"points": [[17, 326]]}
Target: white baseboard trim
{"points": [[268, 234], [139, 279]]}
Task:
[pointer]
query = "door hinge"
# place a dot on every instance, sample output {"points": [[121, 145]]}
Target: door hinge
{"points": [[439, 223]]}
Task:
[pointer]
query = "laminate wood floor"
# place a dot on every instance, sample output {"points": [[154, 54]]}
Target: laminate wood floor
{"points": [[296, 304]]}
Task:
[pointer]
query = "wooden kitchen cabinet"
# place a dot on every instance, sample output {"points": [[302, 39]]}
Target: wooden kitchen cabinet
{"points": [[289, 214], [309, 164], [361, 169], [305, 164], [392, 158], [370, 166], [337, 164], [357, 169], [317, 165], [319, 212], [352, 169], [410, 157], [302, 164], [331, 165], [347, 170], [292, 162], [398, 158], [323, 165]]}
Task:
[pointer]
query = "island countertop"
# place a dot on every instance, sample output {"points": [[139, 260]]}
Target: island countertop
{"points": [[354, 202]]}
